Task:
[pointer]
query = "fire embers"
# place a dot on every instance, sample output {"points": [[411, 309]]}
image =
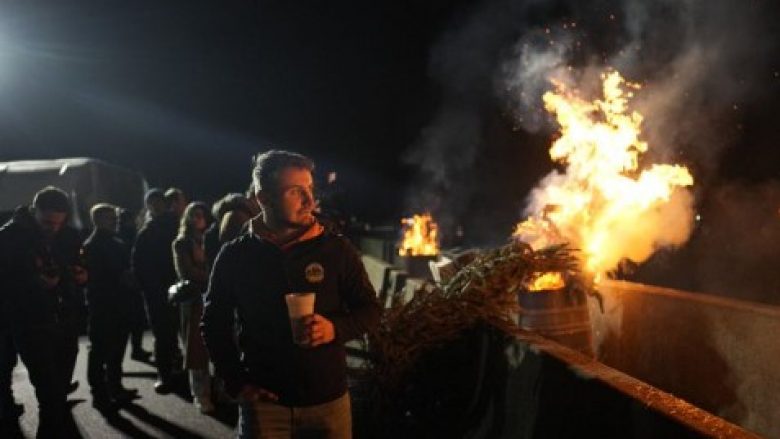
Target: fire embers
{"points": [[547, 281], [420, 236], [603, 203]]}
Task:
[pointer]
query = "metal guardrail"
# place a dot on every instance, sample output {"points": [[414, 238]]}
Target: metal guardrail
{"points": [[663, 355]]}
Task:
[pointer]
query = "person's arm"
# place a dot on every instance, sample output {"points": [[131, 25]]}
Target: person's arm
{"points": [[96, 262], [362, 311], [186, 268], [217, 324], [139, 259], [76, 273]]}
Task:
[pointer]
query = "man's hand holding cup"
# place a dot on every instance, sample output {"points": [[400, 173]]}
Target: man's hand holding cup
{"points": [[320, 330], [308, 329]]}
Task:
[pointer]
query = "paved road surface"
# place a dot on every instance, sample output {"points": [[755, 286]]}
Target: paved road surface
{"points": [[150, 416]]}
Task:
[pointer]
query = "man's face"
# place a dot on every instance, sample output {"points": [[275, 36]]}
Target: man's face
{"points": [[108, 222], [292, 200], [50, 222], [156, 206], [178, 205]]}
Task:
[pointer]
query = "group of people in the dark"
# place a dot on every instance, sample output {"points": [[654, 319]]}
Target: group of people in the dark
{"points": [[230, 343]]}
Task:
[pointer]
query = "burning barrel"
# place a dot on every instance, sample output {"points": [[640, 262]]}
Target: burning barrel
{"points": [[419, 246], [552, 309], [418, 266]]}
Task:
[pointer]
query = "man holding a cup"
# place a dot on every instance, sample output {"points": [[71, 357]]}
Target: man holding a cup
{"points": [[298, 293]]}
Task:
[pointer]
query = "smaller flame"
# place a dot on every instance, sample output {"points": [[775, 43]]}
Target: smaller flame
{"points": [[420, 236], [547, 281]]}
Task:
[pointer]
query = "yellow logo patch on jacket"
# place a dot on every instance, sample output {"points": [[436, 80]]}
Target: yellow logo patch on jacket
{"points": [[315, 273]]}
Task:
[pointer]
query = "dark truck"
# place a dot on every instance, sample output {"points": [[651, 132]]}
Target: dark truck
{"points": [[88, 181]]}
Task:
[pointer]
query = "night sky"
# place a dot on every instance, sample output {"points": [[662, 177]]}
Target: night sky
{"points": [[186, 92]]}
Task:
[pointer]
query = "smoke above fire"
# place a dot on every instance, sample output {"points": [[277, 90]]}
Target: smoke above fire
{"points": [[691, 56], [497, 60], [604, 203]]}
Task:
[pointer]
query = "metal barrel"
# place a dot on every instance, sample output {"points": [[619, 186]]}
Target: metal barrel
{"points": [[561, 315], [418, 266]]}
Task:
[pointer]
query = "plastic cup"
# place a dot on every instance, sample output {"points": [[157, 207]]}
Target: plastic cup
{"points": [[299, 306]]}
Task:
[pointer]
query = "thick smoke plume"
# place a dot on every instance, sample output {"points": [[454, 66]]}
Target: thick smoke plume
{"points": [[703, 65], [699, 62], [463, 64]]}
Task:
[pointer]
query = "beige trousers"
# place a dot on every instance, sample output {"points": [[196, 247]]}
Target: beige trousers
{"points": [[266, 420]]}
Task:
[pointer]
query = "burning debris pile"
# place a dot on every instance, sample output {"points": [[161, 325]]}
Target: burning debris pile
{"points": [[606, 203]]}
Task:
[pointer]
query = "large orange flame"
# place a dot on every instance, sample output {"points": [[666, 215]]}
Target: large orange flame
{"points": [[420, 236], [603, 203]]}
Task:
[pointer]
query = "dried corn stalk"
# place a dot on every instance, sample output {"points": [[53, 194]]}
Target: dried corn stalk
{"points": [[482, 292]]}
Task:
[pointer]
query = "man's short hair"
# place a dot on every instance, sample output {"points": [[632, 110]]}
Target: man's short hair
{"points": [[268, 165], [100, 210], [153, 195], [173, 194], [51, 199], [230, 202]]}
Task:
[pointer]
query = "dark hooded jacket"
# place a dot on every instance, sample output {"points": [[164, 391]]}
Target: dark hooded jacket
{"points": [[25, 254], [250, 278], [152, 259], [108, 261]]}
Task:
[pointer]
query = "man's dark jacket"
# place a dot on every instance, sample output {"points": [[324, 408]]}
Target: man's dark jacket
{"points": [[251, 276], [24, 254], [152, 258], [108, 261]]}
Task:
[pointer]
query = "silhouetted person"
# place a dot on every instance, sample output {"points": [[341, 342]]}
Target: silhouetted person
{"points": [[66, 250], [37, 280], [190, 260], [231, 213], [287, 389], [176, 201], [152, 262], [127, 232], [109, 296]]}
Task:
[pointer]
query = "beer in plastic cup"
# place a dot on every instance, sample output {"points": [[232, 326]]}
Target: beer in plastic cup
{"points": [[299, 306]]}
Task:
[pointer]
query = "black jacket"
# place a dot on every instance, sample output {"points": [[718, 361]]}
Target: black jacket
{"points": [[251, 276], [108, 262], [152, 258], [24, 255], [211, 243]]}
